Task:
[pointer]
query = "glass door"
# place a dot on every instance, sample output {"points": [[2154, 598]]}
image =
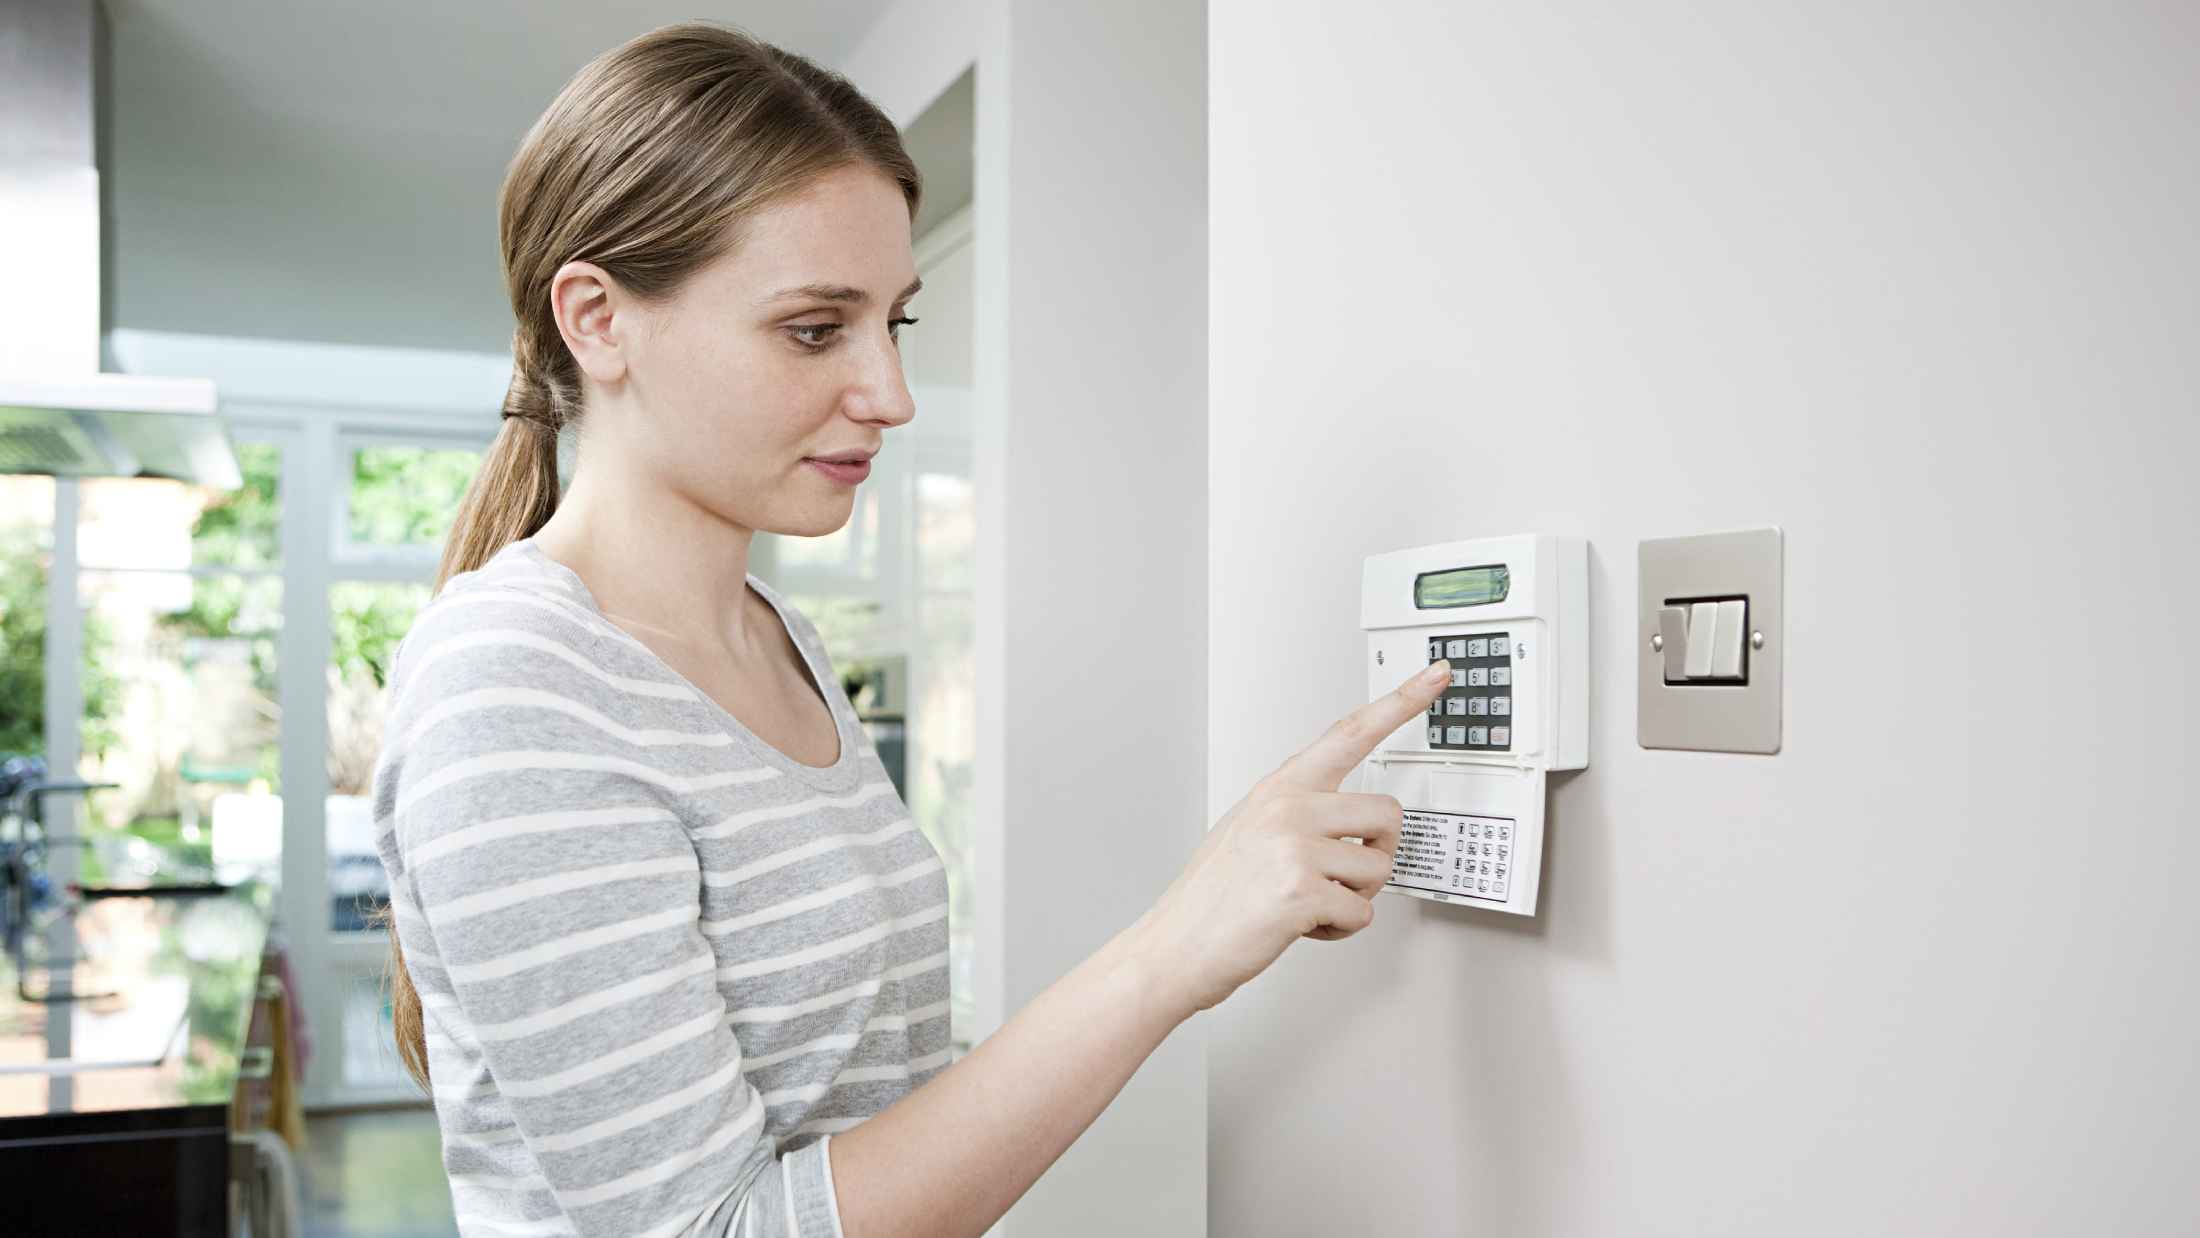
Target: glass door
{"points": [[387, 514]]}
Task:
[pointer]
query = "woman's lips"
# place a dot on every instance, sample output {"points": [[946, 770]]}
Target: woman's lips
{"points": [[848, 473]]}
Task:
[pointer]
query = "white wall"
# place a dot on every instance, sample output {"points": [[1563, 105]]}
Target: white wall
{"points": [[1090, 357], [1917, 285]]}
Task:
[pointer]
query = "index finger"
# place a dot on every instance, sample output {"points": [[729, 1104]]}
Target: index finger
{"points": [[1322, 765]]}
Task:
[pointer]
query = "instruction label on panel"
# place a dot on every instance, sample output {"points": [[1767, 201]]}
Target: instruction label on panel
{"points": [[1455, 854]]}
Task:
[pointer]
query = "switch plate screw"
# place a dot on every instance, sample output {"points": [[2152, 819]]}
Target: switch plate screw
{"points": [[1657, 642], [1378, 657], [1756, 640]]}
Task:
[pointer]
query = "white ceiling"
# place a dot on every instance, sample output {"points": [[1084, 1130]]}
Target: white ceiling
{"points": [[309, 170]]}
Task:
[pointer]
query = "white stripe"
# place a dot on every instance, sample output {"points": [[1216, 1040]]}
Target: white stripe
{"points": [[645, 1112], [742, 820], [525, 1229], [824, 1001], [831, 842], [849, 1040], [566, 1012], [837, 946], [518, 638], [497, 1138], [558, 883], [533, 823], [534, 698], [567, 605], [820, 898], [617, 1059], [669, 1167], [475, 1089], [527, 761], [571, 944], [500, 1182], [856, 1074]]}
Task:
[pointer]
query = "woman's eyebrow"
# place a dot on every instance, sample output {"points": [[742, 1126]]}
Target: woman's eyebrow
{"points": [[836, 292]]}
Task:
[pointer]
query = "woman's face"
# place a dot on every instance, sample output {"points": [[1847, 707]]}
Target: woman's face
{"points": [[781, 352]]}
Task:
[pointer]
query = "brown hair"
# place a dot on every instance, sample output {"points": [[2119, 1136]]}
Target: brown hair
{"points": [[645, 164]]}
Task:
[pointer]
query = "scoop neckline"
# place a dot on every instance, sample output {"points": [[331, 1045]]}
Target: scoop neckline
{"points": [[840, 775]]}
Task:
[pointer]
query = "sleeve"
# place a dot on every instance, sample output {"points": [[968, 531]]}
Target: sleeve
{"points": [[554, 899]]}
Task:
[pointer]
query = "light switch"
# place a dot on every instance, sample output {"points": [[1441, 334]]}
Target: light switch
{"points": [[1726, 639], [1702, 619], [1706, 595], [1673, 639]]}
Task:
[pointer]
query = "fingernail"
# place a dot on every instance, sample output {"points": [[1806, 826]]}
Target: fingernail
{"points": [[1436, 672]]}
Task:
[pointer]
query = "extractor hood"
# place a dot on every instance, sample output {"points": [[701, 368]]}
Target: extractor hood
{"points": [[59, 413]]}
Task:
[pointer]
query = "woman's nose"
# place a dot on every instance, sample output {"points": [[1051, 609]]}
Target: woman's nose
{"points": [[885, 392]]}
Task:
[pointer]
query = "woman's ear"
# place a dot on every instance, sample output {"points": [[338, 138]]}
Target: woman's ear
{"points": [[595, 317]]}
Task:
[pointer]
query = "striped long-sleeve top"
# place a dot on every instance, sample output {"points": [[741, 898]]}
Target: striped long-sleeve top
{"points": [[660, 962]]}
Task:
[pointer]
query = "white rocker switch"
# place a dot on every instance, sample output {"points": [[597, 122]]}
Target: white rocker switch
{"points": [[1726, 639], [1702, 619], [1673, 641]]}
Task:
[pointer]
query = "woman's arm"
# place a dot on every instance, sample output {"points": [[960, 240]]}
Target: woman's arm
{"points": [[948, 1159]]}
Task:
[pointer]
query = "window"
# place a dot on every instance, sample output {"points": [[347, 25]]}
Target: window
{"points": [[387, 536], [180, 591]]}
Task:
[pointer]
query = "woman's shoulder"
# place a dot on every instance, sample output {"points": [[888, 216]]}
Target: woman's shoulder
{"points": [[510, 622]]}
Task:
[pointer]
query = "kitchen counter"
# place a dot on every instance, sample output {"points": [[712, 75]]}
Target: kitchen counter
{"points": [[120, 1103]]}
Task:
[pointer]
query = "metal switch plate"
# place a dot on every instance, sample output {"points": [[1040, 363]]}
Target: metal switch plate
{"points": [[1709, 610]]}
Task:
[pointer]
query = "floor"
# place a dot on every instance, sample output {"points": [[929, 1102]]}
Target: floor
{"points": [[375, 1174]]}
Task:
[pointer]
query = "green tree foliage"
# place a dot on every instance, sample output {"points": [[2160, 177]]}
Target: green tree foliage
{"points": [[23, 559]]}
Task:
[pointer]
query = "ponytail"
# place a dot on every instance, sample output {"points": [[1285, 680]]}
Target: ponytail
{"points": [[510, 498], [646, 164]]}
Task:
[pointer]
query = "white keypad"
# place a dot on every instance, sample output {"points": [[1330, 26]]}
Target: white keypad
{"points": [[1500, 735], [1458, 677], [1500, 676], [1455, 734], [1500, 706], [1478, 735], [1478, 649], [1456, 705], [1458, 649]]}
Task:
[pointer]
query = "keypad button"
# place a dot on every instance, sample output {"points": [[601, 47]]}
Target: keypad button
{"points": [[1505, 833], [1456, 705], [1477, 705], [1458, 677], [1458, 649], [1478, 649], [1500, 646], [1476, 734], [1474, 829], [1500, 676], [1478, 676], [1436, 706], [1436, 735], [1499, 735], [1500, 706], [1436, 651], [1455, 734]]}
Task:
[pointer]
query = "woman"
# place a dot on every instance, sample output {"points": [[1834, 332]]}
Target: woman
{"points": [[664, 940]]}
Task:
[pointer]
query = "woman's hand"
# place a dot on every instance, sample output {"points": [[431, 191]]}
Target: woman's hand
{"points": [[1277, 867]]}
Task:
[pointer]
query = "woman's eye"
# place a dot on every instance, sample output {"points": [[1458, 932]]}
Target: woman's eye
{"points": [[894, 326], [826, 327]]}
